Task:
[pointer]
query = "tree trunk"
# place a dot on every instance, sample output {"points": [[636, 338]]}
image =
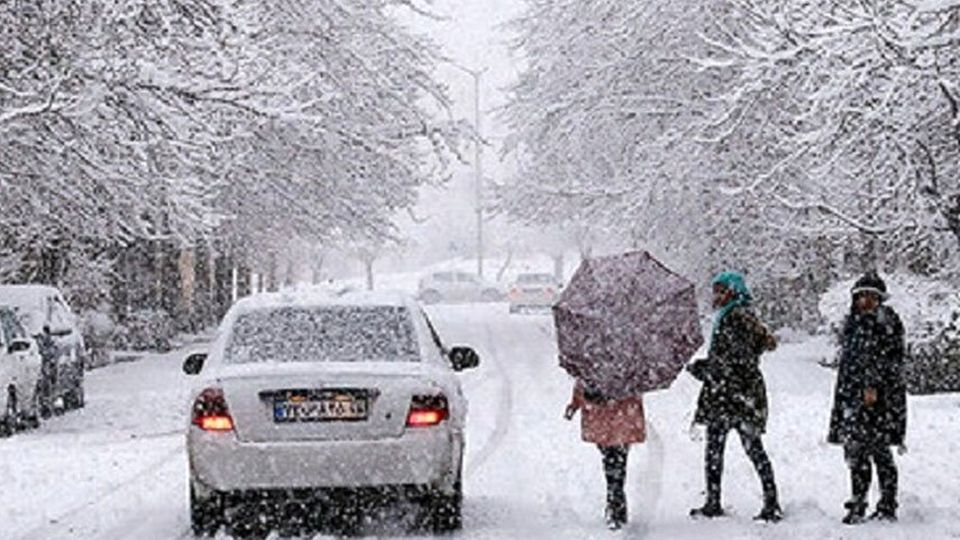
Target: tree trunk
{"points": [[271, 281], [289, 279], [223, 279], [506, 264], [244, 281], [186, 290], [368, 267], [558, 268], [318, 267]]}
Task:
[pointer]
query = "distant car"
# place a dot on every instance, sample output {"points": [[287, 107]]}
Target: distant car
{"points": [[310, 404], [452, 287], [19, 375], [42, 308], [533, 291]]}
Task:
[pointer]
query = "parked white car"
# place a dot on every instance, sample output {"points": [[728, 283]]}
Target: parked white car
{"points": [[309, 403], [19, 375], [45, 315], [533, 291], [452, 287]]}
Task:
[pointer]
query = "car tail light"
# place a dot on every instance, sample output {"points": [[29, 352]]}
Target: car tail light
{"points": [[210, 412], [427, 411]]}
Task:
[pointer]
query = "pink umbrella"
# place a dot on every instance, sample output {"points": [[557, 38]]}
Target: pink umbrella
{"points": [[626, 324]]}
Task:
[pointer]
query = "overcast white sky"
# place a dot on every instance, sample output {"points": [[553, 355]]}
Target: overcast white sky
{"points": [[471, 33]]}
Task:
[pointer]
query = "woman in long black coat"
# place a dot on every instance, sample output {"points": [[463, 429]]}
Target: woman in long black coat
{"points": [[734, 394], [870, 402]]}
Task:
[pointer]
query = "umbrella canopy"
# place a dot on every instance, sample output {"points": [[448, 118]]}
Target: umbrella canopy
{"points": [[626, 324]]}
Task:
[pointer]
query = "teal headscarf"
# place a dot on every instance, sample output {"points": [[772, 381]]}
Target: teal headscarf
{"points": [[732, 281]]}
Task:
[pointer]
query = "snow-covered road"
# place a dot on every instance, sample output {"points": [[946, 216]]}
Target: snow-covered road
{"points": [[117, 469]]}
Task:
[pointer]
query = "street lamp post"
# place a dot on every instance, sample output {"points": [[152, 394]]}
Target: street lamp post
{"points": [[477, 159]]}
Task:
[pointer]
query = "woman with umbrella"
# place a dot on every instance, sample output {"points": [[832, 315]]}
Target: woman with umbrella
{"points": [[734, 394], [626, 325], [613, 425]]}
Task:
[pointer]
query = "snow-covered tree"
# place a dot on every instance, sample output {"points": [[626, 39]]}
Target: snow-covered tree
{"points": [[601, 122], [842, 117], [782, 138], [242, 124]]}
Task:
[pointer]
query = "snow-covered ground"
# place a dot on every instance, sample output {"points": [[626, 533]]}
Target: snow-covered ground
{"points": [[117, 469]]}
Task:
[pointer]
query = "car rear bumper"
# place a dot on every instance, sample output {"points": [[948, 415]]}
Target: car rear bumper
{"points": [[427, 457]]}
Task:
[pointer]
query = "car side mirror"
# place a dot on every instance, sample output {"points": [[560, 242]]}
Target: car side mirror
{"points": [[463, 358], [19, 345], [193, 365]]}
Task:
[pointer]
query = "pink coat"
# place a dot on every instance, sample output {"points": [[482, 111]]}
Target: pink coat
{"points": [[612, 423]]}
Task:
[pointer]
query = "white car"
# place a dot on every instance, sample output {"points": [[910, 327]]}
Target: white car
{"points": [[451, 287], [309, 403], [533, 291], [19, 375], [44, 313]]}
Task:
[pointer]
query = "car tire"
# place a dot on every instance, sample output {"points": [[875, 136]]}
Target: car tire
{"points": [[75, 398], [11, 416], [447, 511], [206, 514], [45, 405], [431, 296], [32, 420]]}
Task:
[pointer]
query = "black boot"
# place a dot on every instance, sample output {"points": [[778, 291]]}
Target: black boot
{"points": [[711, 509], [856, 510], [616, 517], [886, 510], [771, 512]]}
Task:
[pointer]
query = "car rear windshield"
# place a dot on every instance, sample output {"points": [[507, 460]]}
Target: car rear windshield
{"points": [[530, 279], [327, 334]]}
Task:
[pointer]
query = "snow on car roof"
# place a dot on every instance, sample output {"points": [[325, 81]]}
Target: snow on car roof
{"points": [[25, 295], [323, 298]]}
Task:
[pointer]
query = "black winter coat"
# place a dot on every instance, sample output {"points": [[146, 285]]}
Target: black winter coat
{"points": [[734, 392], [871, 356]]}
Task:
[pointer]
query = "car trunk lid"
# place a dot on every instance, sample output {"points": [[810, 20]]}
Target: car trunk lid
{"points": [[367, 401]]}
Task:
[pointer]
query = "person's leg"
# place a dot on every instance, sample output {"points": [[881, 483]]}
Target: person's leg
{"points": [[857, 457], [713, 461], [615, 470], [753, 446], [716, 448], [888, 477]]}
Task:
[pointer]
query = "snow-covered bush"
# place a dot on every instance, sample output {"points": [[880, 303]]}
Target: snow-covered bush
{"points": [[145, 330], [926, 305], [98, 330], [929, 309]]}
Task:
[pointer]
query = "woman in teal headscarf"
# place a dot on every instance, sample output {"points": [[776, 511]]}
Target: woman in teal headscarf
{"points": [[734, 395]]}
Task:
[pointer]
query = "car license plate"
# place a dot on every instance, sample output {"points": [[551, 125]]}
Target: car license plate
{"points": [[322, 406]]}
